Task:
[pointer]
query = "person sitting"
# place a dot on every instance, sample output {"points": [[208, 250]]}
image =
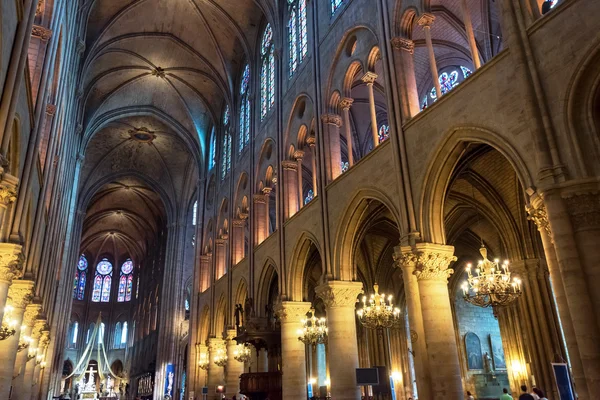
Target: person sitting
{"points": [[547, 6], [525, 395], [505, 395]]}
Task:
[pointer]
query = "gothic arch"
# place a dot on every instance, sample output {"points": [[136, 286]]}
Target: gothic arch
{"points": [[268, 275], [304, 247]]}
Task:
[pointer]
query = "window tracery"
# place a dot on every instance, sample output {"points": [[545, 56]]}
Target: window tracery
{"points": [[80, 278], [125, 282], [244, 109], [226, 150], [102, 282], [449, 79], [297, 33], [267, 72], [213, 150]]}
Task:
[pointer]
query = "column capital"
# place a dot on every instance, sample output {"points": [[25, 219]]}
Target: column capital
{"points": [[259, 198], [289, 165], [339, 293], [230, 333], [11, 261], [50, 109], [8, 193], [39, 327], [32, 313], [369, 78], [426, 20], [215, 344], [292, 311], [539, 216], [41, 32], [20, 293], [332, 119], [238, 223], [430, 261], [311, 141], [299, 155], [405, 44], [346, 102], [44, 339], [220, 242]]}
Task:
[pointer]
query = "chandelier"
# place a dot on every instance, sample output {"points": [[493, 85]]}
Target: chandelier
{"points": [[39, 359], [378, 311], [32, 353], [9, 324], [204, 361], [313, 331], [242, 353], [220, 358], [23, 344], [490, 284]]}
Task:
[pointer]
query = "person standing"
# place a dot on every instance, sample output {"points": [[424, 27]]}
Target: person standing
{"points": [[505, 395], [525, 395], [540, 393]]}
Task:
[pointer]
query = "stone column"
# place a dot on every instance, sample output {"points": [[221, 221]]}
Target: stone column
{"points": [[406, 260], [513, 345], [267, 193], [290, 176], [432, 271], [293, 361], [238, 226], [333, 155], [205, 263], [299, 156], [575, 276], [426, 20], [32, 312], [345, 105], [340, 302], [11, 264], [8, 195], [20, 294], [234, 368], [260, 218], [369, 78], [312, 142], [24, 391], [404, 59], [215, 373], [470, 34], [537, 213], [263, 361], [220, 267]]}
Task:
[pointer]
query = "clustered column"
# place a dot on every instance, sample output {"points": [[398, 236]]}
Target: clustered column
{"points": [[11, 264], [426, 20], [293, 362], [260, 218], [333, 154], [369, 78], [234, 368], [340, 302], [215, 373], [312, 141], [290, 171]]}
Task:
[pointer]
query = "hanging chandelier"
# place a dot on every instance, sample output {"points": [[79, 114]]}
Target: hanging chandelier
{"points": [[9, 324], [220, 358], [314, 330], [490, 283], [378, 311], [242, 353], [23, 344], [204, 361]]}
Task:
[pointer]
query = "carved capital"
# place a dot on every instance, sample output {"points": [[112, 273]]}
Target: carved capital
{"points": [[11, 261], [346, 103], [298, 155], [40, 8], [540, 217], [339, 293], [39, 327], [291, 311], [311, 141], [32, 313], [215, 344], [238, 223], [50, 109], [40, 32], [289, 165], [426, 20], [8, 193], [259, 198], [20, 293], [431, 261], [332, 119], [401, 43], [584, 209], [44, 339], [369, 78]]}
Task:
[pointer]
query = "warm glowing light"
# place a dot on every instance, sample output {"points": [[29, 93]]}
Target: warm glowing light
{"points": [[396, 376]]}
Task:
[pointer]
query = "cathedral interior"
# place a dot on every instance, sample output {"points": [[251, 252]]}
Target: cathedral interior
{"points": [[299, 199]]}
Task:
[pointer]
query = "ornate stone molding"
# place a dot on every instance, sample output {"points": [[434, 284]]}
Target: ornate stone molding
{"points": [[289, 165], [32, 313], [332, 119], [346, 102], [339, 293], [238, 223], [11, 261], [44, 339], [426, 20], [41, 32], [259, 198], [369, 78], [401, 43], [215, 344], [584, 209], [540, 217], [298, 155], [39, 327], [291, 311], [158, 72], [8, 193], [311, 141], [431, 261], [20, 293], [50, 109]]}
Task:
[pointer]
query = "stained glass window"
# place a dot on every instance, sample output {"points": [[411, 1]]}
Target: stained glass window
{"points": [[335, 4], [345, 166], [195, 213], [101, 333], [102, 282], [226, 150], [187, 305], [213, 150], [124, 334], [74, 334], [80, 278], [297, 33], [267, 73], [310, 195], [448, 79], [384, 132], [125, 281], [244, 109]]}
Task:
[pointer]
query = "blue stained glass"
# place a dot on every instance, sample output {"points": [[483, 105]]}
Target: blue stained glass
{"points": [[293, 40], [466, 71], [267, 73], [335, 4], [75, 284], [384, 133], [127, 267], [97, 289], [106, 289], [448, 81], [267, 40], [226, 115], [310, 195], [104, 267], [213, 152], [122, 285], [82, 264], [187, 305], [244, 138], [302, 28], [345, 166], [81, 290], [129, 288], [245, 80]]}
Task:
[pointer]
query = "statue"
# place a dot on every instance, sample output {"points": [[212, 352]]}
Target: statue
{"points": [[248, 308], [239, 311], [487, 362]]}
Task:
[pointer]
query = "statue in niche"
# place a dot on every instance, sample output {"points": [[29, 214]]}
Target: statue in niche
{"points": [[487, 362]]}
